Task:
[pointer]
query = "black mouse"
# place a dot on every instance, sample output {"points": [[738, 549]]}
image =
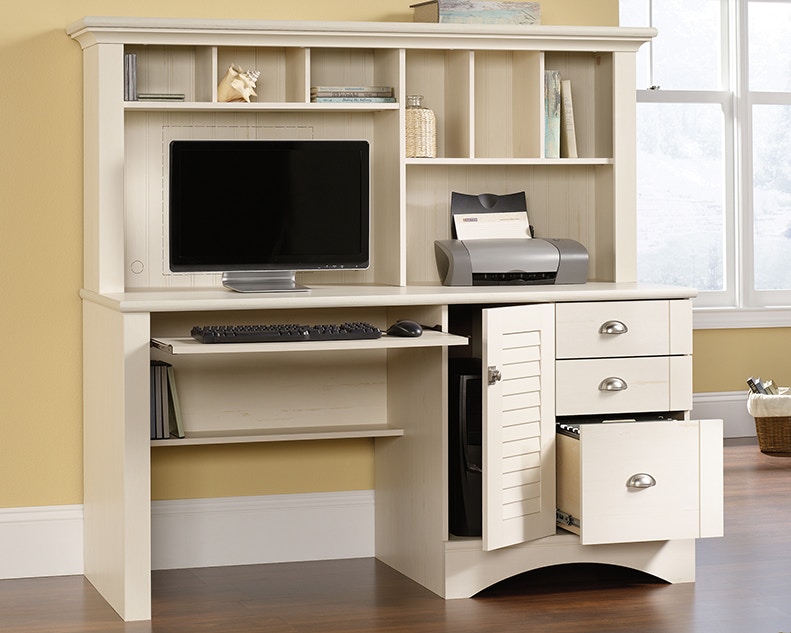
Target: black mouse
{"points": [[405, 327]]}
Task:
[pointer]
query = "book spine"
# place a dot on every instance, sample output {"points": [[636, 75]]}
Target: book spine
{"points": [[568, 133], [130, 77], [387, 89], [552, 114], [352, 100], [360, 93]]}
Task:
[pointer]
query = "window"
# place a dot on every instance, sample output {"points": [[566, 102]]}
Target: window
{"points": [[714, 153]]}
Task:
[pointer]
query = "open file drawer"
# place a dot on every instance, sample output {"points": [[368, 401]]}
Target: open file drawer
{"points": [[623, 482]]}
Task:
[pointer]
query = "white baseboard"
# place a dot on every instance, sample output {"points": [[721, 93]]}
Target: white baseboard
{"points": [[41, 541], [728, 406], [48, 541], [246, 530]]}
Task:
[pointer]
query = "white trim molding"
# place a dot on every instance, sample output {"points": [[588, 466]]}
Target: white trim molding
{"points": [[41, 541], [48, 541], [728, 406]]}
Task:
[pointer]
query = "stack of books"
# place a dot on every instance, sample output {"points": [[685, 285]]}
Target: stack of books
{"points": [[160, 96], [352, 94], [768, 387]]}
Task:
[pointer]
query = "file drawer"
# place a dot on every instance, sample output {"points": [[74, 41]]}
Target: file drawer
{"points": [[623, 385], [623, 328], [641, 481]]}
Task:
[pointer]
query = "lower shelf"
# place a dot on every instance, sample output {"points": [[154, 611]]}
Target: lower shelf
{"points": [[245, 436]]}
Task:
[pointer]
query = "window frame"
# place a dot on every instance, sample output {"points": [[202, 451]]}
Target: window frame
{"points": [[739, 305]]}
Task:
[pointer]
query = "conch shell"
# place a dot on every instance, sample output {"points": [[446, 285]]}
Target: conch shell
{"points": [[237, 85]]}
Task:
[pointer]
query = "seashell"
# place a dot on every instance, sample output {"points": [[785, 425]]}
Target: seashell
{"points": [[237, 85]]}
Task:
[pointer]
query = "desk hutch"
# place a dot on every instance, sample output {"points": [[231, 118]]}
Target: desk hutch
{"points": [[485, 84]]}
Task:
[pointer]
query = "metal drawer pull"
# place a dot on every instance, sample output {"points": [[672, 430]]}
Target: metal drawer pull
{"points": [[613, 327], [494, 375], [613, 384], [640, 481]]}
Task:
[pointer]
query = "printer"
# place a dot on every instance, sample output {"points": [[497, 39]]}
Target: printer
{"points": [[506, 261], [501, 262]]}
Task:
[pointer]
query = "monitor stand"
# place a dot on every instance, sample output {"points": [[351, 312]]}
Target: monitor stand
{"points": [[262, 281]]}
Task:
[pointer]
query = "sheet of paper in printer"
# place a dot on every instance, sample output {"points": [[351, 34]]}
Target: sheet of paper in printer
{"points": [[479, 226]]}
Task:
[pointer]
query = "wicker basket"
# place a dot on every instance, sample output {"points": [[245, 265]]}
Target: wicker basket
{"points": [[772, 425], [774, 435]]}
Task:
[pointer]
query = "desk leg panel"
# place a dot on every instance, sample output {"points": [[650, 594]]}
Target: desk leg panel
{"points": [[116, 444]]}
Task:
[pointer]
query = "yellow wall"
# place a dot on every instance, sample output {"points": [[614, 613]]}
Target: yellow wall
{"points": [[41, 268]]}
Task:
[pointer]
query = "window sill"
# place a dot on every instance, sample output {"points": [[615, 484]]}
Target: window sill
{"points": [[737, 318]]}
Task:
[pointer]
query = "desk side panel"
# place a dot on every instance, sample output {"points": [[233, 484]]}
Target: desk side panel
{"points": [[117, 458]]}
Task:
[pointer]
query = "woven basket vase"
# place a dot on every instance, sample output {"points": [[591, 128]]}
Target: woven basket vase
{"points": [[421, 129]]}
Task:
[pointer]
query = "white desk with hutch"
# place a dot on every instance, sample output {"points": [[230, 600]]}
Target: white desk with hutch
{"points": [[485, 84]]}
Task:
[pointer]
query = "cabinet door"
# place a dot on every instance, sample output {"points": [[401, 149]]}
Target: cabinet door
{"points": [[519, 411]]}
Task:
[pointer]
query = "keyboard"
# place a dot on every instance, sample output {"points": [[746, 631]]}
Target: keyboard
{"points": [[284, 333]]}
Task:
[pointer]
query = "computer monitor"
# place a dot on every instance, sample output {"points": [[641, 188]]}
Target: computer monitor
{"points": [[260, 210]]}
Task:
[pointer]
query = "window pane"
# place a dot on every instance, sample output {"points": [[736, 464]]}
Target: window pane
{"points": [[772, 197], [770, 55], [687, 49], [681, 199]]}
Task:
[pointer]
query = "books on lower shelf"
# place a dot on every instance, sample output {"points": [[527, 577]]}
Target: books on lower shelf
{"points": [[560, 135], [351, 94], [166, 420]]}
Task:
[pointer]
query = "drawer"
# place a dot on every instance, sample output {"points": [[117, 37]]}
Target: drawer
{"points": [[641, 481], [623, 328], [623, 385]]}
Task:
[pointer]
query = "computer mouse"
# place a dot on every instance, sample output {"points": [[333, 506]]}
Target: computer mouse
{"points": [[405, 327]]}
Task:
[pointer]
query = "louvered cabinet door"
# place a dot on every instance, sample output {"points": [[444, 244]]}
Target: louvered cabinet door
{"points": [[519, 434]]}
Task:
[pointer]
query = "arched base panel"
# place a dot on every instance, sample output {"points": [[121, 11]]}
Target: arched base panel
{"points": [[469, 570]]}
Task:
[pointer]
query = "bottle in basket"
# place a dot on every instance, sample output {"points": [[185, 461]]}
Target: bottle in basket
{"points": [[421, 129]]}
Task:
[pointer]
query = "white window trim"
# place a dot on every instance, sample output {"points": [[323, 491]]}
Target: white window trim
{"points": [[739, 305]]}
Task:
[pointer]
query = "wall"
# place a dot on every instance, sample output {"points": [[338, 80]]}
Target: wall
{"points": [[41, 270]]}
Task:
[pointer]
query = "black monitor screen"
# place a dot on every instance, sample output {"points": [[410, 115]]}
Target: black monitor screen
{"points": [[269, 205]]}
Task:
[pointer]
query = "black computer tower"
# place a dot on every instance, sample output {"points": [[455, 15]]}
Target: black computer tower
{"points": [[465, 451]]}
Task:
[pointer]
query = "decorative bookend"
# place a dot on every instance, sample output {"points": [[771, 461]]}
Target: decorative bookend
{"points": [[237, 85]]}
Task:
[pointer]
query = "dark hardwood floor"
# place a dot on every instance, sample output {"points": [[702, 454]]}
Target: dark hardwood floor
{"points": [[743, 586]]}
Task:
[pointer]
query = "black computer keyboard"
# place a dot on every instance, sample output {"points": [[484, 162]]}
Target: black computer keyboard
{"points": [[283, 333]]}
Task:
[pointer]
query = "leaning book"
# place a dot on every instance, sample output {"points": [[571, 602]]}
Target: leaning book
{"points": [[568, 133], [552, 114]]}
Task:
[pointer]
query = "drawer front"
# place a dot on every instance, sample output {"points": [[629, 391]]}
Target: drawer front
{"points": [[623, 328], [623, 385], [628, 482]]}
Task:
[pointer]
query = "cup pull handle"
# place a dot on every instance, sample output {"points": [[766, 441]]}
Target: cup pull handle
{"points": [[613, 384], [641, 481], [613, 327]]}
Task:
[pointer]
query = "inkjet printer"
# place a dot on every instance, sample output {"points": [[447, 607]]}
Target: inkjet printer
{"points": [[498, 262], [512, 261]]}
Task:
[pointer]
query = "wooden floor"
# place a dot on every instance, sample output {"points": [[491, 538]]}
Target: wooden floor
{"points": [[743, 586]]}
